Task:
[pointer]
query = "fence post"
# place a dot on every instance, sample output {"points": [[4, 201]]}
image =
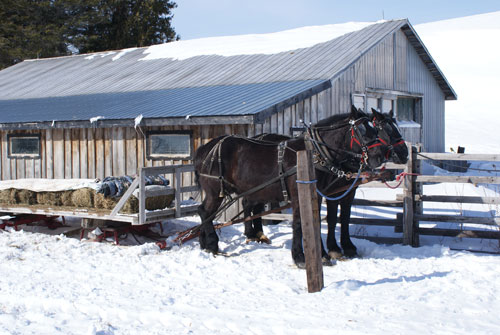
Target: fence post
{"points": [[309, 218], [410, 230]]}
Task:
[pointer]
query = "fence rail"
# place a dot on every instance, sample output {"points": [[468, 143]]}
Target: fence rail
{"points": [[414, 199]]}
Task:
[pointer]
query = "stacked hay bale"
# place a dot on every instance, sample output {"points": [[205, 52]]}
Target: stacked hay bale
{"points": [[82, 198]]}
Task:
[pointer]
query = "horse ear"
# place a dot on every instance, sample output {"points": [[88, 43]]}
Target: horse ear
{"points": [[354, 112], [375, 113], [391, 113]]}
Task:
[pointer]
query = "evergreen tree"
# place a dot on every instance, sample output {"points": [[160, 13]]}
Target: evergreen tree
{"points": [[47, 28]]}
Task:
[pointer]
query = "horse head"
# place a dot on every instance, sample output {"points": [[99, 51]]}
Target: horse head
{"points": [[347, 140], [390, 134]]}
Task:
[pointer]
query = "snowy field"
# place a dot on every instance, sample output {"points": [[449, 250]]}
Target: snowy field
{"points": [[53, 284]]}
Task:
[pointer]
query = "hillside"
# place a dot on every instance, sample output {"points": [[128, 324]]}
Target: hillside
{"points": [[466, 49]]}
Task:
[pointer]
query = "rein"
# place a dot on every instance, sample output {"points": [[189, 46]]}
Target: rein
{"points": [[321, 153], [390, 146]]}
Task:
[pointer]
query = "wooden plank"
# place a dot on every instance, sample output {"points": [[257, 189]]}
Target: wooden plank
{"points": [[408, 202], [75, 153], [91, 157], [380, 203], [125, 197], [49, 155], [142, 197], [40, 169], [178, 185], [29, 168], [459, 199], [68, 211], [2, 155], [309, 217], [20, 168], [108, 153], [84, 156], [460, 233], [58, 153], [131, 151], [458, 179], [379, 239], [6, 172], [458, 219], [459, 157], [119, 157], [100, 165], [141, 150], [68, 160]]}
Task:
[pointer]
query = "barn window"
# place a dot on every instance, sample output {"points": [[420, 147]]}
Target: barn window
{"points": [[169, 145], [408, 109], [24, 146]]}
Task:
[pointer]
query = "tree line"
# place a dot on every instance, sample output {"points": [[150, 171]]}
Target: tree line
{"points": [[48, 28]]}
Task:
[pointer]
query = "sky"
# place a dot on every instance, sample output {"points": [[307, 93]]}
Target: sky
{"points": [[204, 18]]}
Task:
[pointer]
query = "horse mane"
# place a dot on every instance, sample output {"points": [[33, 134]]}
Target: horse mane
{"points": [[332, 119]]}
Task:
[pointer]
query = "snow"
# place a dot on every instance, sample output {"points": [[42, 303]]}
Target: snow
{"points": [[96, 118], [53, 284], [466, 50], [49, 185], [138, 120], [253, 43]]}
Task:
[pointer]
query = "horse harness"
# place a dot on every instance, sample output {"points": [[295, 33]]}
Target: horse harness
{"points": [[322, 157], [215, 152], [390, 146]]}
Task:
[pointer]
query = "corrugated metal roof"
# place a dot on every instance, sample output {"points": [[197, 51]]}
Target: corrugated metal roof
{"points": [[77, 82], [247, 99]]}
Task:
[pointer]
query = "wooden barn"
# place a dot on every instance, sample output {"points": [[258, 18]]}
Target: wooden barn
{"points": [[109, 113]]}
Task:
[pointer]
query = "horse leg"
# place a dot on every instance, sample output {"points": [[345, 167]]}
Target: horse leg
{"points": [[334, 250], [345, 216], [297, 250], [208, 236], [325, 258], [257, 224], [249, 228]]}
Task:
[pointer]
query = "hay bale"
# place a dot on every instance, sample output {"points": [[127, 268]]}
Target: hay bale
{"points": [[83, 197], [131, 206], [67, 198], [25, 197], [159, 202], [49, 198], [5, 196], [100, 201]]}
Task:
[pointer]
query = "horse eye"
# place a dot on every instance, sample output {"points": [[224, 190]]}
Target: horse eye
{"points": [[362, 129], [387, 128]]}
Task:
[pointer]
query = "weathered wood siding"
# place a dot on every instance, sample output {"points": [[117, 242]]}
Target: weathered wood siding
{"points": [[392, 65]]}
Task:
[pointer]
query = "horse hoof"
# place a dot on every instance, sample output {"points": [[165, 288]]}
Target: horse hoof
{"points": [[263, 238], [326, 261], [335, 254], [251, 239], [350, 253], [301, 265], [211, 251]]}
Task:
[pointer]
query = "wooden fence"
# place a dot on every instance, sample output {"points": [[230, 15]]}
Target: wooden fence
{"points": [[412, 201]]}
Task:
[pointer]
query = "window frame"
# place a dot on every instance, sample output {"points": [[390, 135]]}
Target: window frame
{"points": [[11, 155], [151, 156]]}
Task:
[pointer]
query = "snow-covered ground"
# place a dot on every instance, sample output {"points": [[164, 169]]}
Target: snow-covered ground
{"points": [[53, 284]]}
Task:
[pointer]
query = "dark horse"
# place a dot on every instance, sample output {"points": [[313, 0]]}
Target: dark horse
{"points": [[397, 152], [261, 171]]}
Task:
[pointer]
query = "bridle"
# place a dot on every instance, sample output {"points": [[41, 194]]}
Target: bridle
{"points": [[322, 152], [397, 141]]}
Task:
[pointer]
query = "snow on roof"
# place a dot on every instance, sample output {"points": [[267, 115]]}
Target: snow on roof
{"points": [[251, 44]]}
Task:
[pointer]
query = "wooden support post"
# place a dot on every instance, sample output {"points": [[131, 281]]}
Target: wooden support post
{"points": [[178, 186], [309, 217], [142, 196], [410, 230]]}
